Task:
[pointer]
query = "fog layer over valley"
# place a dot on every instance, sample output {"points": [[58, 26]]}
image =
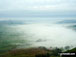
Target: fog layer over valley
{"points": [[24, 34]]}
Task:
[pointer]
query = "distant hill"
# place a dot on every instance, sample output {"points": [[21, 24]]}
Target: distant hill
{"points": [[11, 22], [67, 21], [72, 27]]}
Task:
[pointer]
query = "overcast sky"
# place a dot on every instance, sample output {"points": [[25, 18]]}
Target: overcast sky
{"points": [[17, 8]]}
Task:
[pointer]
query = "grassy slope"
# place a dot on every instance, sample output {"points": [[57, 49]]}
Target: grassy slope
{"points": [[30, 52]]}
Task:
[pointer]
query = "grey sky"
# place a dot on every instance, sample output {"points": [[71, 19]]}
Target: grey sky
{"points": [[37, 7]]}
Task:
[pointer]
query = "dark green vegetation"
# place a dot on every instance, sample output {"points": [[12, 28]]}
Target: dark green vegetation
{"points": [[71, 51], [35, 52]]}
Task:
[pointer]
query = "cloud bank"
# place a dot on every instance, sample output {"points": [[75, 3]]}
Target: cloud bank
{"points": [[36, 7]]}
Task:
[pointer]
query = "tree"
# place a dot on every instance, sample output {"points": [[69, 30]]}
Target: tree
{"points": [[67, 47], [56, 51]]}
